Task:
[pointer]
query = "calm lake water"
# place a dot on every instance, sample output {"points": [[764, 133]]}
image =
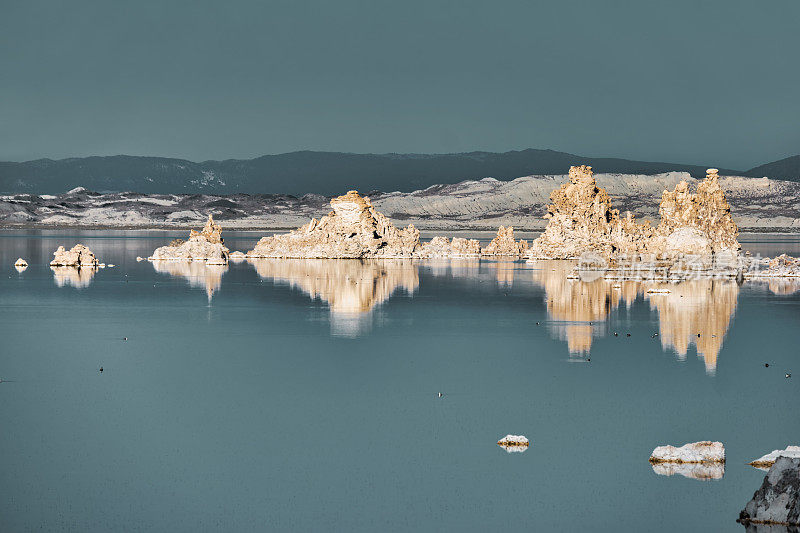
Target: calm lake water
{"points": [[303, 395]]}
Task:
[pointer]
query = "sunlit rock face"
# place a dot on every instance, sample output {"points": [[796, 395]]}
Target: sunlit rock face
{"points": [[205, 245], [439, 247], [578, 308], [704, 451], [707, 211], [766, 461], [504, 244], [77, 256], [351, 288], [199, 274], [354, 229], [581, 219], [703, 307], [72, 276], [701, 471]]}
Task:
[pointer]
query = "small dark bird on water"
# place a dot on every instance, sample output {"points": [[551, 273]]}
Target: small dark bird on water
{"points": [[124, 338], [788, 376], [628, 335], [766, 365], [698, 334], [101, 369], [537, 323], [440, 395], [616, 334], [588, 359]]}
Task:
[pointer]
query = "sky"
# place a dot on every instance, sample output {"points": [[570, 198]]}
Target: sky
{"points": [[695, 81]]}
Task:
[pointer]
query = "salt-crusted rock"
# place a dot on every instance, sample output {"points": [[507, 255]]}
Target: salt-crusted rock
{"points": [[766, 461], [707, 210], [443, 247], [21, 263], [206, 245], [778, 499], [504, 243], [582, 220], [702, 471], [783, 266], [354, 229], [78, 256], [695, 452], [514, 443]]}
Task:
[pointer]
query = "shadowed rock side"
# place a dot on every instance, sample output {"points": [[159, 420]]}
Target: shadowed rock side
{"points": [[351, 288], [582, 221], [777, 501], [353, 230], [198, 274], [205, 245], [578, 308]]}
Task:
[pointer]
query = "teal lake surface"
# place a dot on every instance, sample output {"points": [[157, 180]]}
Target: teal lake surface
{"points": [[303, 395]]}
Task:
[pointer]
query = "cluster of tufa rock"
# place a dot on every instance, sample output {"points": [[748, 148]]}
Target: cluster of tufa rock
{"points": [[777, 501], [356, 230], [205, 245], [78, 256], [582, 220]]}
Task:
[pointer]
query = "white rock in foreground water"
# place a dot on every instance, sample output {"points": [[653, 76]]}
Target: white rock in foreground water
{"points": [[206, 245], [694, 452], [766, 461], [78, 256], [21, 263], [702, 471], [778, 499], [514, 443]]}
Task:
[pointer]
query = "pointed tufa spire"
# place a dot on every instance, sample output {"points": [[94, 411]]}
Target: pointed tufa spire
{"points": [[211, 231]]}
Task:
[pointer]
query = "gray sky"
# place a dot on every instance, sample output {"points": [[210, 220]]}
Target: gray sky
{"points": [[688, 81]]}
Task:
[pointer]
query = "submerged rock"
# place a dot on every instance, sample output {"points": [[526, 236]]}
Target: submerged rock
{"points": [[504, 243], [78, 256], [766, 461], [778, 499], [205, 245], [702, 471], [514, 443], [353, 230], [694, 452]]}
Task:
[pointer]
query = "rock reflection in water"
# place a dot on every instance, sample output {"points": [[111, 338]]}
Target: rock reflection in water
{"points": [[579, 308], [198, 273], [703, 471], [79, 278], [351, 287]]}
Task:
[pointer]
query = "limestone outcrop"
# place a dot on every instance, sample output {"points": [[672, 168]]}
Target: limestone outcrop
{"points": [[353, 230], [205, 245], [582, 221], [504, 243], [777, 501], [77, 256], [694, 452]]}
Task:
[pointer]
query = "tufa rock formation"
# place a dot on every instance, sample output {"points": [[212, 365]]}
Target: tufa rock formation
{"points": [[766, 461], [694, 452], [443, 247], [504, 243], [78, 256], [778, 499], [353, 230], [581, 221], [206, 245]]}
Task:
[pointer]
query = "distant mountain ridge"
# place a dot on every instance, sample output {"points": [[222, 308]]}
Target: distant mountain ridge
{"points": [[297, 173]]}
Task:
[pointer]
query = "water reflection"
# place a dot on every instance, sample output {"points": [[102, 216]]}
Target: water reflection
{"points": [[579, 308], [703, 471], [352, 288], [198, 273], [79, 278]]}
